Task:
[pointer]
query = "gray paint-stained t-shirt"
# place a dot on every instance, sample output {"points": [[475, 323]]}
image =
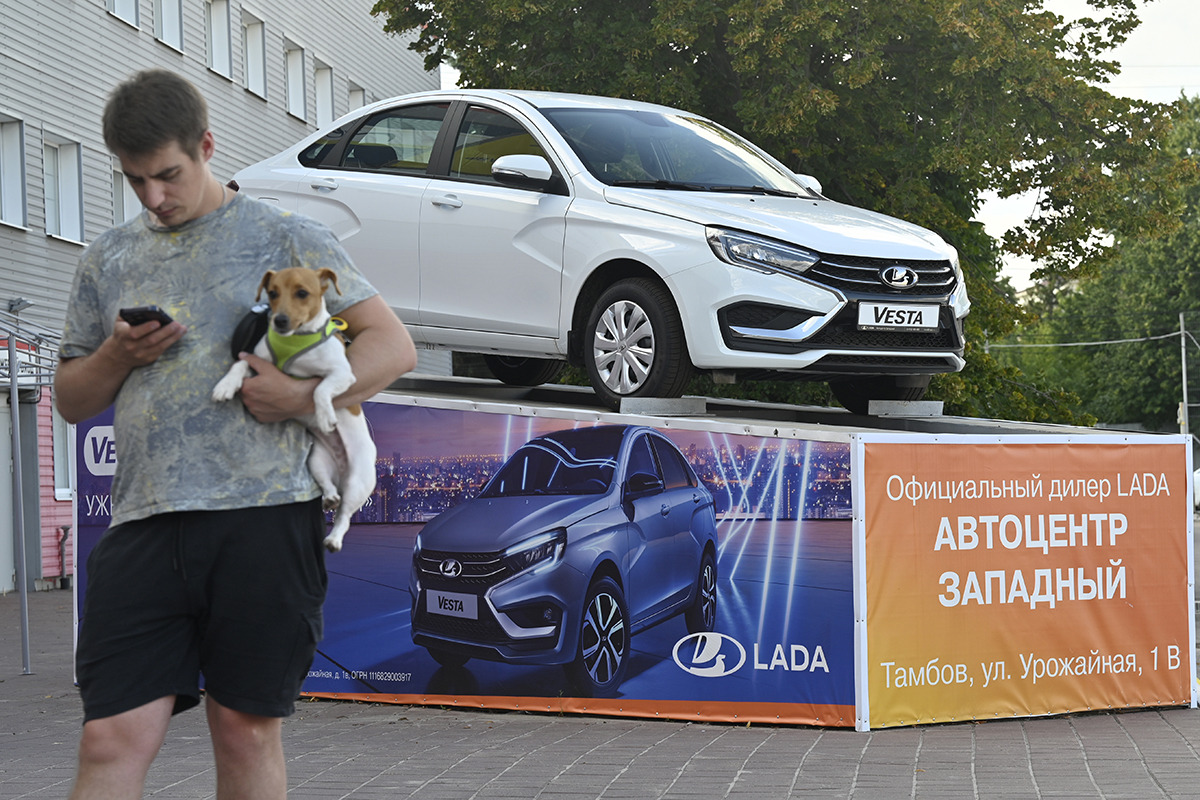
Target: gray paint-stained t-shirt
{"points": [[177, 450]]}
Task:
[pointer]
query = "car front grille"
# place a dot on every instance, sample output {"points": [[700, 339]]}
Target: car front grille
{"points": [[843, 334], [485, 630], [859, 275], [478, 569]]}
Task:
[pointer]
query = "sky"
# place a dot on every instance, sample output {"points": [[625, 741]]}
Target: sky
{"points": [[1160, 59]]}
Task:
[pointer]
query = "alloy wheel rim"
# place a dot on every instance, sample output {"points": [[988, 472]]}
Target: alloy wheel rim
{"points": [[708, 596], [623, 346], [603, 638]]}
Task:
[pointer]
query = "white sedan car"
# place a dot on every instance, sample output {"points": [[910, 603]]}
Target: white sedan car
{"points": [[638, 241]]}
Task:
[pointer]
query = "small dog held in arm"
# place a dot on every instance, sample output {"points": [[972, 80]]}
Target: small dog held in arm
{"points": [[302, 340]]}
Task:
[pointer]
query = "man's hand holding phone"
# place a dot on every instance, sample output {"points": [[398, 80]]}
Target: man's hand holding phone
{"points": [[143, 333], [140, 315]]}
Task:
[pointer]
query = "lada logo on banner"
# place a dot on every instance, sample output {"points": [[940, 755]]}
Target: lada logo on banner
{"points": [[709, 655]]}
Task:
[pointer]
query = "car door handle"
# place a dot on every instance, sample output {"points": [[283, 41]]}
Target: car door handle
{"points": [[323, 183], [447, 200], [666, 509]]}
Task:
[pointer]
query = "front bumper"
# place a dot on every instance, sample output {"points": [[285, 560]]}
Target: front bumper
{"points": [[746, 321], [529, 618]]}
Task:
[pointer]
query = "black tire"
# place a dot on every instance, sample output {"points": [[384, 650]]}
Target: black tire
{"points": [[602, 655], [633, 345], [516, 371], [702, 616], [447, 658], [856, 394]]}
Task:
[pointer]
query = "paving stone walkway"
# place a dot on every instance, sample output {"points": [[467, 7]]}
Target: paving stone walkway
{"points": [[342, 750]]}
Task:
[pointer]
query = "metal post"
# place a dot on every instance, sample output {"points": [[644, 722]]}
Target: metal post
{"points": [[18, 498], [1183, 424]]}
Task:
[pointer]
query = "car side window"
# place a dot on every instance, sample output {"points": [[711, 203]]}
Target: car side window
{"points": [[315, 153], [484, 136], [675, 471], [641, 459], [398, 141]]}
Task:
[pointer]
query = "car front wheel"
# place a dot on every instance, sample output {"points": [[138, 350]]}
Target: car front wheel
{"points": [[702, 616], [603, 650], [856, 394], [516, 371], [635, 345]]}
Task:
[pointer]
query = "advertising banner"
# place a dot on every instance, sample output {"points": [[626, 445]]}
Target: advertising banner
{"points": [[95, 464], [1022, 576], [482, 569], [508, 560]]}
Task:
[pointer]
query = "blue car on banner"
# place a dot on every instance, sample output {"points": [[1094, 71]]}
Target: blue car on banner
{"points": [[582, 538]]}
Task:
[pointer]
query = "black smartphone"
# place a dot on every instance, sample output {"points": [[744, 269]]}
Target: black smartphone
{"points": [[141, 314]]}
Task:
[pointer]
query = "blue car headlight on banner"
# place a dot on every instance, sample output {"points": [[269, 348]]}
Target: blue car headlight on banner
{"points": [[542, 550]]}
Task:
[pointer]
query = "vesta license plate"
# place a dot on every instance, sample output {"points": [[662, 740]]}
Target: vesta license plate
{"points": [[897, 317], [452, 604]]}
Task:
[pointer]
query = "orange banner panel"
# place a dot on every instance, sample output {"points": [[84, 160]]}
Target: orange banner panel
{"points": [[1012, 579]]}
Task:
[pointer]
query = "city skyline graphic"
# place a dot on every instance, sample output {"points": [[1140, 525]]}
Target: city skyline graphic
{"points": [[433, 459]]}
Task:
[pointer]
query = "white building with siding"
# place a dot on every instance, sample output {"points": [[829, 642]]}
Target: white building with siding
{"points": [[271, 70]]}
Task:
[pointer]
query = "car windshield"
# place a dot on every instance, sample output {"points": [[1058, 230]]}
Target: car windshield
{"points": [[568, 462], [658, 150]]}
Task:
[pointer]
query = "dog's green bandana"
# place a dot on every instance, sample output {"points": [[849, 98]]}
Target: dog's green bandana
{"points": [[285, 349]]}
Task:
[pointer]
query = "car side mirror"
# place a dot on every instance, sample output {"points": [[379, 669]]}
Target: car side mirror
{"points": [[808, 182], [522, 171], [643, 483]]}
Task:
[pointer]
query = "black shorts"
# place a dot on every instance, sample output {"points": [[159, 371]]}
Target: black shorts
{"points": [[233, 595]]}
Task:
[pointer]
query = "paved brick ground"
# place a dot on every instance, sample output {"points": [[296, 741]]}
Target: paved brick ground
{"points": [[339, 750]]}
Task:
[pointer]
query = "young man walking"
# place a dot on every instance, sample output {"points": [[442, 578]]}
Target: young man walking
{"points": [[213, 564]]}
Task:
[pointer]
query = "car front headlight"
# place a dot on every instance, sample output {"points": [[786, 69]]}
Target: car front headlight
{"points": [[543, 548], [759, 253]]}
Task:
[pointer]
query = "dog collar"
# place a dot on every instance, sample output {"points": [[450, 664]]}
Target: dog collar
{"points": [[286, 349]]}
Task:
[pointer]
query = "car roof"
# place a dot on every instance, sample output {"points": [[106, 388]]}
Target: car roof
{"points": [[596, 433], [537, 100], [565, 100]]}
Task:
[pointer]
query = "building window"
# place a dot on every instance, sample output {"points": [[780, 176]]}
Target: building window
{"points": [[168, 22], [62, 169], [126, 205], [323, 83], [12, 171], [219, 49], [64, 434], [296, 105], [254, 51], [357, 96], [124, 9]]}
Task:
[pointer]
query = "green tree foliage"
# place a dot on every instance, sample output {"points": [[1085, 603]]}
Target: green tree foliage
{"points": [[909, 107], [1139, 295]]}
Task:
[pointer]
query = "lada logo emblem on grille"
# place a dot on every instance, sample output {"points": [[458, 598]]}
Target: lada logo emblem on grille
{"points": [[898, 277], [451, 568]]}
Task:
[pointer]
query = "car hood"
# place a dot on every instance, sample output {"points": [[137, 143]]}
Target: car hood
{"points": [[822, 225], [486, 524]]}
